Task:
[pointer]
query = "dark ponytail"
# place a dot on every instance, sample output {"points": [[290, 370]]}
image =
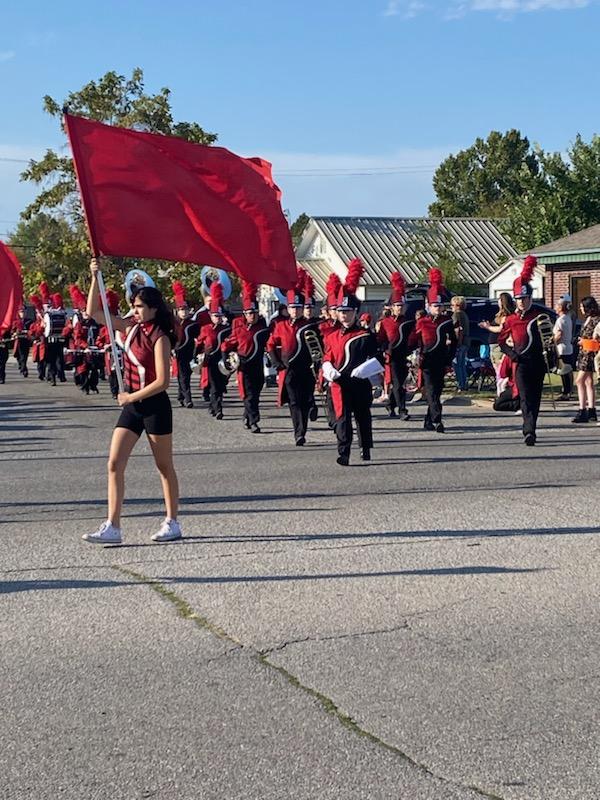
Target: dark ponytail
{"points": [[163, 319]]}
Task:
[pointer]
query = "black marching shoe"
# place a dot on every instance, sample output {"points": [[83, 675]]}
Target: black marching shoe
{"points": [[592, 416], [428, 426], [343, 461], [219, 415], [439, 428], [390, 411], [529, 439], [313, 413], [581, 416], [365, 454], [300, 442], [404, 415], [246, 423], [189, 404], [254, 428], [564, 397]]}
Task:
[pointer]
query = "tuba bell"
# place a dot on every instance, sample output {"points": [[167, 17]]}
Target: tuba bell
{"points": [[136, 279], [229, 363]]}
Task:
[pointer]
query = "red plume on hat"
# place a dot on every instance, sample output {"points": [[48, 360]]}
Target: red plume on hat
{"points": [[347, 296], [179, 294], [308, 288], [437, 291], [44, 291], [249, 291], [57, 300], [216, 297], [78, 299], [398, 287], [36, 302], [522, 286], [113, 300], [332, 289]]}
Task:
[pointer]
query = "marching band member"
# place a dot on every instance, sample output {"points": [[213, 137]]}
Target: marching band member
{"points": [[328, 325], [308, 290], [103, 343], [249, 338], [5, 342], [350, 352], [145, 406], [56, 332], [36, 333], [526, 350], [435, 337], [209, 342], [22, 342], [393, 336], [188, 328], [289, 353]]}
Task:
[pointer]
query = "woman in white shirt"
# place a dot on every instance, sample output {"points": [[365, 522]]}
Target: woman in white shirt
{"points": [[563, 339]]}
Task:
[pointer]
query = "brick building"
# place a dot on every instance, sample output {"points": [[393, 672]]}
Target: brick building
{"points": [[572, 266]]}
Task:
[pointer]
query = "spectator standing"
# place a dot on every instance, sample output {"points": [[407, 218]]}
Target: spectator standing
{"points": [[506, 307], [588, 347], [461, 328], [563, 339]]}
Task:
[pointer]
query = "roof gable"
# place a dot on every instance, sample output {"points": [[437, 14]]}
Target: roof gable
{"points": [[586, 240], [414, 244]]}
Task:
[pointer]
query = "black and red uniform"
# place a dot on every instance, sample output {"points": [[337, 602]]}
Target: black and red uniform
{"points": [[346, 349], [249, 341], [393, 338], [153, 415], [209, 342], [326, 328], [5, 341], [22, 345], [289, 353], [527, 354], [188, 331], [436, 339], [38, 349]]}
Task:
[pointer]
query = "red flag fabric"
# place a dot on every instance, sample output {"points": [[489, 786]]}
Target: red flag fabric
{"points": [[152, 196], [11, 287]]}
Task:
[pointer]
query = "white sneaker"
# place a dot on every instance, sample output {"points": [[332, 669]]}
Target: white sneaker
{"points": [[168, 531], [106, 534]]}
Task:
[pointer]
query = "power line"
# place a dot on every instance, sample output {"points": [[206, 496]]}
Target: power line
{"points": [[16, 160]]}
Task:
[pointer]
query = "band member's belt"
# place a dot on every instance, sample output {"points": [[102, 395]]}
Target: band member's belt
{"points": [[590, 345]]}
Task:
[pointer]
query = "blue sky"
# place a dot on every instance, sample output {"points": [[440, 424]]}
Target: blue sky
{"points": [[316, 87]]}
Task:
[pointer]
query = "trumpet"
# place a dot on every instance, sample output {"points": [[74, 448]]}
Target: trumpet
{"points": [[546, 331]]}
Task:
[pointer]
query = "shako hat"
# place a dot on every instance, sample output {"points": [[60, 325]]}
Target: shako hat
{"points": [[521, 285]]}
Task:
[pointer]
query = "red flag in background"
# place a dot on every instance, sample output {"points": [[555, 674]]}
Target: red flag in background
{"points": [[11, 287], [152, 196]]}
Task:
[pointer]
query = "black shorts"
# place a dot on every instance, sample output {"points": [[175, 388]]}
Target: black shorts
{"points": [[153, 415]]}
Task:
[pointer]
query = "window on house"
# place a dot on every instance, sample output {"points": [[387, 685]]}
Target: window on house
{"points": [[580, 287]]}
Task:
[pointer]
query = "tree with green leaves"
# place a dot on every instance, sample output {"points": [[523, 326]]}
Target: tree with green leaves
{"points": [[297, 228], [485, 179], [51, 240]]}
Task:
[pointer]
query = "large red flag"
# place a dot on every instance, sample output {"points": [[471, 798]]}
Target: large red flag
{"points": [[11, 287], [152, 196]]}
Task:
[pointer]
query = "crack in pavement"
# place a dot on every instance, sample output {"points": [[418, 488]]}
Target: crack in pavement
{"points": [[185, 610]]}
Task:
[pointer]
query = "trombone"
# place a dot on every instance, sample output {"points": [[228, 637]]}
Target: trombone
{"points": [[316, 356]]}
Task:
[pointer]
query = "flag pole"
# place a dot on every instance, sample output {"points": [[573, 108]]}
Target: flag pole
{"points": [[96, 255]]}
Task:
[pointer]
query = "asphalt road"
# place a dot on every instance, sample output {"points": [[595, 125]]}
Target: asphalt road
{"points": [[422, 627]]}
